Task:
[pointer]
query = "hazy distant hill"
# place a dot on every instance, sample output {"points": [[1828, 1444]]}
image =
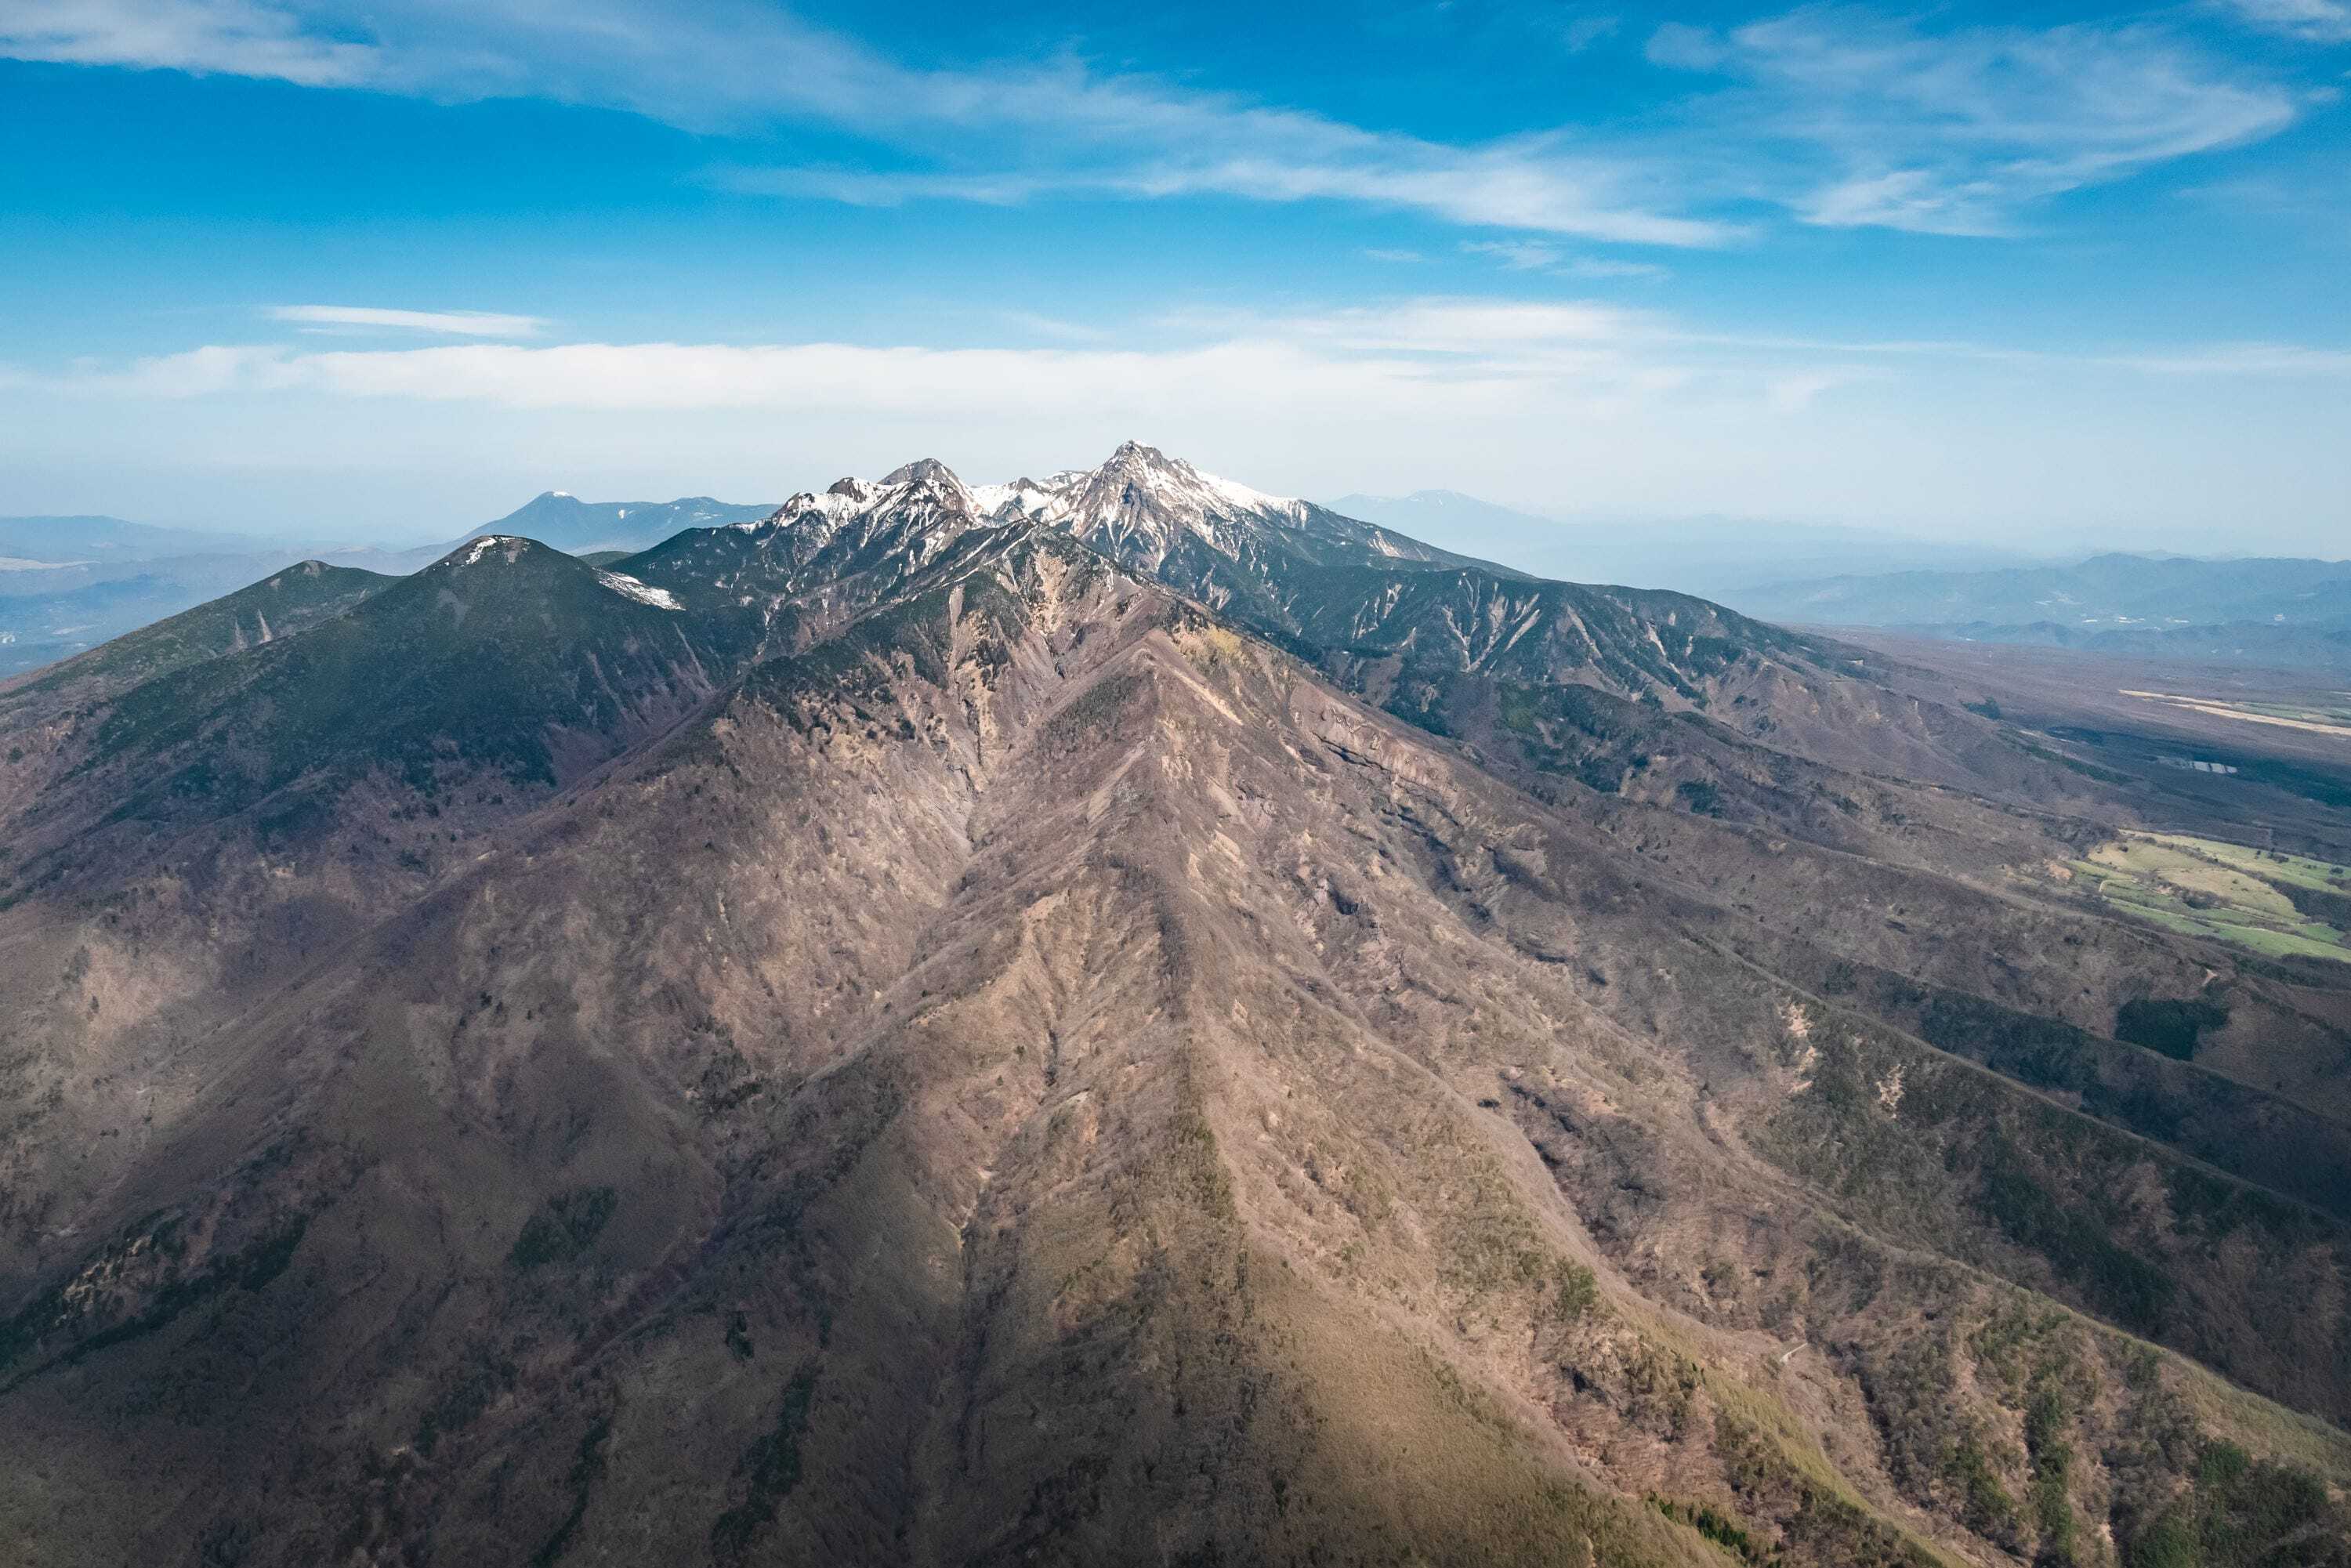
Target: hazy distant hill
{"points": [[559, 518], [2263, 609], [1717, 556], [76, 540], [2106, 591], [70, 583]]}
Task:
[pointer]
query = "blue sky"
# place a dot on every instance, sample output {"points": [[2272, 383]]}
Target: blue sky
{"points": [[2041, 275]]}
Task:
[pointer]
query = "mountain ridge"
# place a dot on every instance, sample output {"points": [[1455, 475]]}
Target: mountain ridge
{"points": [[897, 1032]]}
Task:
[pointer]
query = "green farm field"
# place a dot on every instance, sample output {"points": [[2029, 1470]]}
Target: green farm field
{"points": [[2278, 904]]}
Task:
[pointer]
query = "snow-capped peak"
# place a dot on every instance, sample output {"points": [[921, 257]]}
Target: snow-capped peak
{"points": [[927, 471], [1023, 498], [912, 512], [1140, 502], [1136, 472]]}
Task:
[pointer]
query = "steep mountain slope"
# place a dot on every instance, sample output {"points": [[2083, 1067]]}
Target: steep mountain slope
{"points": [[1434, 636], [1734, 721], [1438, 638], [961, 1055], [278, 606], [505, 669]]}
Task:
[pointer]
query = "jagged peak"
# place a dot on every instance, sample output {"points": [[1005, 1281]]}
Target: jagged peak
{"points": [[1174, 479], [1141, 492], [927, 471], [925, 478]]}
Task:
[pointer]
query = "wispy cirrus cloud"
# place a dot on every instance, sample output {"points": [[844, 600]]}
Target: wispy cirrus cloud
{"points": [[1541, 256], [1000, 132], [1841, 115], [2292, 360], [370, 318], [2313, 21], [1536, 183], [1857, 119], [230, 37], [1517, 255]]}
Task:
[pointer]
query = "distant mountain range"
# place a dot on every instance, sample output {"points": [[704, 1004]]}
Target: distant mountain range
{"points": [[577, 528], [1716, 557], [1121, 1019], [2259, 610]]}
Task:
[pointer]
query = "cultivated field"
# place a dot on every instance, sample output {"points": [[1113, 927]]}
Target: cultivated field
{"points": [[2256, 899]]}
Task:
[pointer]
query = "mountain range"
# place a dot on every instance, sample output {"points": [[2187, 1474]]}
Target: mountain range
{"points": [[1114, 1018], [70, 583]]}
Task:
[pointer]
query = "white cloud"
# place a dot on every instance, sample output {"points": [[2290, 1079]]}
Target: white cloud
{"points": [[2316, 21], [1526, 182], [1517, 255], [1495, 328], [1853, 120], [233, 37], [448, 323], [830, 378], [1539, 255], [1000, 132], [1434, 352], [1441, 356]]}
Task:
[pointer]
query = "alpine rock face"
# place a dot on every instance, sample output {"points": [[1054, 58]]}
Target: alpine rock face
{"points": [[1118, 1018]]}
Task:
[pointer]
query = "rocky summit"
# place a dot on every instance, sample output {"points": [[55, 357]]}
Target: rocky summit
{"points": [[1120, 1019]]}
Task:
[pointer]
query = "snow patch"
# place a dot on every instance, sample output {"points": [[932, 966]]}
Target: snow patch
{"points": [[1239, 494], [488, 542], [1019, 498], [643, 592]]}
